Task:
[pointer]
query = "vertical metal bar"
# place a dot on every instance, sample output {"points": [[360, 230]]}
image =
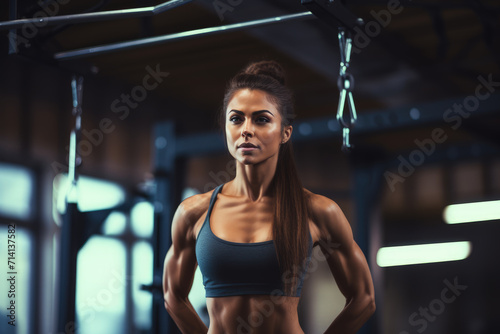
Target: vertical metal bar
{"points": [[26, 112], [67, 270], [129, 302], [165, 201], [72, 228], [375, 240], [34, 307], [367, 185], [74, 159]]}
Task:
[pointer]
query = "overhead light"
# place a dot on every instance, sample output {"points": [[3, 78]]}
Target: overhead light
{"points": [[423, 253], [472, 212]]}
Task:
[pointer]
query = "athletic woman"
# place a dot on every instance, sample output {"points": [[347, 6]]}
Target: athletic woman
{"points": [[253, 236]]}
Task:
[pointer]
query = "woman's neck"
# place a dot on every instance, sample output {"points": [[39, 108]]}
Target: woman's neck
{"points": [[253, 181]]}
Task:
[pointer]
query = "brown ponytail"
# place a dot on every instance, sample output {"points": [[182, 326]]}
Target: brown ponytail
{"points": [[290, 228]]}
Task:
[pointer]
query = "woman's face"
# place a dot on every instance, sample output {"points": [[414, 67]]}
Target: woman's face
{"points": [[253, 127]]}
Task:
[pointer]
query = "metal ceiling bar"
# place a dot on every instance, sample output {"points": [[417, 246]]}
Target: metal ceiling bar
{"points": [[92, 17], [95, 50], [163, 7]]}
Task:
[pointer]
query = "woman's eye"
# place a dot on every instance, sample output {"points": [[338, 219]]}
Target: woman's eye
{"points": [[262, 119], [234, 119]]}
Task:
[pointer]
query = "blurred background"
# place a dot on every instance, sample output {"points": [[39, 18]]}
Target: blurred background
{"points": [[427, 84]]}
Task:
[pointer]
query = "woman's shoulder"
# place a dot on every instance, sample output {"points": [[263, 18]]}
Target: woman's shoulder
{"points": [[193, 207], [326, 215], [320, 205]]}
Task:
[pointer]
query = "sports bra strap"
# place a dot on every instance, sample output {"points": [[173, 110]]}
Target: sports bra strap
{"points": [[213, 198]]}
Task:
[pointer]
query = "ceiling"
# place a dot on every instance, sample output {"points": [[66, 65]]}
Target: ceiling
{"points": [[427, 51]]}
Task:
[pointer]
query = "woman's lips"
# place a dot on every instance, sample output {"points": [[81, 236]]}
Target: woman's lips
{"points": [[245, 147], [248, 148]]}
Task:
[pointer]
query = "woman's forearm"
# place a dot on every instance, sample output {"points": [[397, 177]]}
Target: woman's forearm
{"points": [[353, 316], [184, 315]]}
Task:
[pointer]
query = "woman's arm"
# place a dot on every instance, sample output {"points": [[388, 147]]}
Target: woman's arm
{"points": [[179, 268], [348, 265]]}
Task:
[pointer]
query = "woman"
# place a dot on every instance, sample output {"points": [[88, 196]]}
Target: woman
{"points": [[253, 236]]}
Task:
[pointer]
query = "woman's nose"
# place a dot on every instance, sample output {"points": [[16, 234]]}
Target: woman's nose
{"points": [[247, 130]]}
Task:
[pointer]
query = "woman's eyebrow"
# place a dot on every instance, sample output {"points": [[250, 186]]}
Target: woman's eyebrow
{"points": [[254, 113]]}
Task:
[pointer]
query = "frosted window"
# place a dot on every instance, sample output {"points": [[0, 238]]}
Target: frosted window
{"points": [[142, 217], [142, 257], [101, 287], [115, 224], [16, 191], [21, 293]]}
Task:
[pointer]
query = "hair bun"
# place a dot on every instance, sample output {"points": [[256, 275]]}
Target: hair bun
{"points": [[267, 67]]}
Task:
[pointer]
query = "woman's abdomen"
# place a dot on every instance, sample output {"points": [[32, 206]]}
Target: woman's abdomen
{"points": [[253, 314]]}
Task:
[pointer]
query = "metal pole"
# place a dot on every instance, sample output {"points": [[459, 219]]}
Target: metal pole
{"points": [[72, 227], [169, 5], [97, 16], [367, 184], [74, 159], [168, 179], [95, 50]]}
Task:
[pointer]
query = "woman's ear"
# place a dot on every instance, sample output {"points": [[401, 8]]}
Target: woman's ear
{"points": [[287, 133]]}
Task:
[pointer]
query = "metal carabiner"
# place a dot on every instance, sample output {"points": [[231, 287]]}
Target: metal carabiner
{"points": [[345, 84]]}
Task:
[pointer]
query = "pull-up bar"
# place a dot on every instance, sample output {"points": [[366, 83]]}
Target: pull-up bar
{"points": [[97, 16], [334, 13], [95, 50]]}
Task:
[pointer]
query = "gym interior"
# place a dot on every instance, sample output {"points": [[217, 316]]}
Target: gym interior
{"points": [[108, 120]]}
